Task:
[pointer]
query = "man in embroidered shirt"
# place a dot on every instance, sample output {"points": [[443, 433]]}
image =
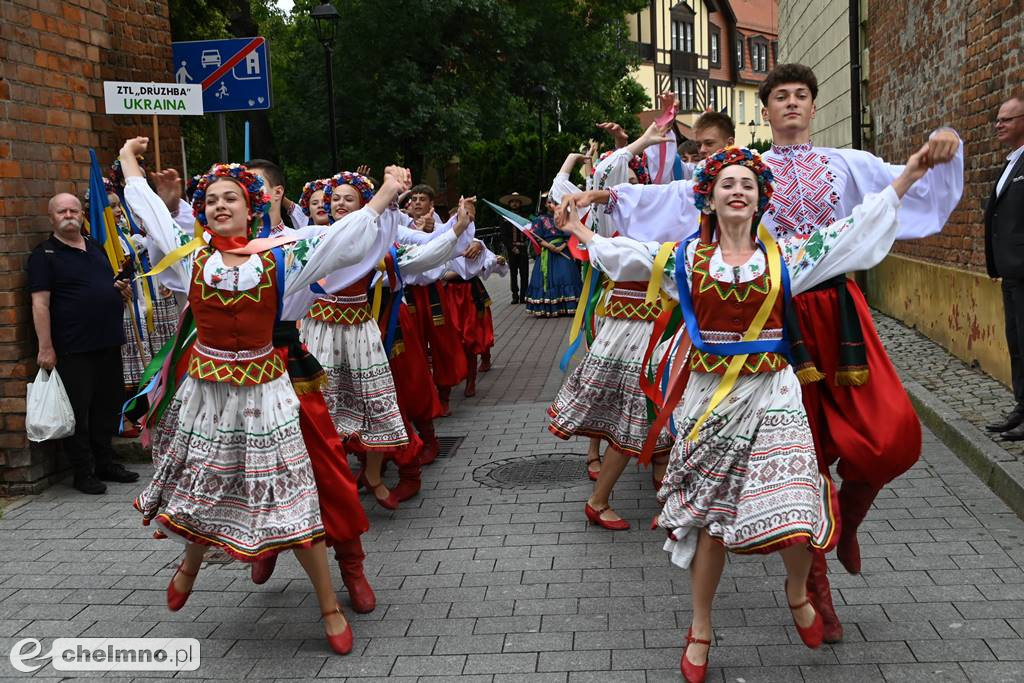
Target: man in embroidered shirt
{"points": [[77, 310], [858, 411], [1004, 251]]}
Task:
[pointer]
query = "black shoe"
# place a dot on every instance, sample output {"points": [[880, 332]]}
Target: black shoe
{"points": [[1015, 434], [90, 484], [117, 472], [515, 299], [1011, 421]]}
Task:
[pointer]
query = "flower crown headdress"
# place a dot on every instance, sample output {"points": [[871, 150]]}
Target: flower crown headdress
{"points": [[707, 171], [360, 182], [256, 199], [308, 190]]}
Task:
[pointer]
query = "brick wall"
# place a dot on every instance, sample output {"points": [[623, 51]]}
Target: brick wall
{"points": [[945, 61], [54, 57]]}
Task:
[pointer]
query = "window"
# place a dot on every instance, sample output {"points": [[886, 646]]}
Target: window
{"points": [[682, 36], [739, 53], [686, 88], [743, 106], [715, 57], [759, 56]]}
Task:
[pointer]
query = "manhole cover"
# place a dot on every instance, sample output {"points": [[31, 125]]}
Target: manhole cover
{"points": [[535, 472]]}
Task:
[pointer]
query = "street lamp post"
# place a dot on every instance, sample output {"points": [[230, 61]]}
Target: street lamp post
{"points": [[753, 131], [325, 20], [540, 93]]}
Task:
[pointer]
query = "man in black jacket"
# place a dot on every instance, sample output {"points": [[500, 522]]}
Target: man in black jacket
{"points": [[1004, 251], [77, 311]]}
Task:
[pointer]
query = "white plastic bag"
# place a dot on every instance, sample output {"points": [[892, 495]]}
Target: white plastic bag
{"points": [[48, 413]]}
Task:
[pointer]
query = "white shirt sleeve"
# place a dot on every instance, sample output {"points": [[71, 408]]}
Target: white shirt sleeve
{"points": [[299, 217], [858, 242], [345, 244], [624, 259], [656, 213], [925, 208], [419, 258], [163, 232]]}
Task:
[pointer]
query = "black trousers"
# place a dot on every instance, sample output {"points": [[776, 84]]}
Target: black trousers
{"points": [[519, 271], [1013, 310], [95, 387]]}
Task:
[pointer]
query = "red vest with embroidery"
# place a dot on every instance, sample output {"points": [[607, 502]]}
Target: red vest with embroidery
{"points": [[348, 306], [234, 330], [627, 302], [724, 312]]}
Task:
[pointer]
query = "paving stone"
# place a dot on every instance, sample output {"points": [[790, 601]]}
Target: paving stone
{"points": [[923, 673], [502, 663]]}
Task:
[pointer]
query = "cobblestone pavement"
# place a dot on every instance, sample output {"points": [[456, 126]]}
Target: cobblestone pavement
{"points": [[509, 584], [977, 397]]}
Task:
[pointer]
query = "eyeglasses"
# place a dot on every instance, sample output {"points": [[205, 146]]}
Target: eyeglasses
{"points": [[1007, 119]]}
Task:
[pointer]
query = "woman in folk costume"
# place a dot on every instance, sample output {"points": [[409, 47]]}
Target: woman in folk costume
{"points": [[555, 283], [312, 202], [415, 252], [743, 475], [470, 307], [340, 331], [602, 397], [232, 470]]}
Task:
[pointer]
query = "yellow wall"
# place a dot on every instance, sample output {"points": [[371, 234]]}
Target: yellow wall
{"points": [[961, 310]]}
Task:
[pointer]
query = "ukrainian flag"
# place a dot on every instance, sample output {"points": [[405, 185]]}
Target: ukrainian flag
{"points": [[102, 226]]}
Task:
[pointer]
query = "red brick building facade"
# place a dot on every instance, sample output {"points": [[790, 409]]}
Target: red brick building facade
{"points": [[54, 57], [927, 64], [953, 62]]}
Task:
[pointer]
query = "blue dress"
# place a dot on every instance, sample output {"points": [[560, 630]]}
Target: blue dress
{"points": [[555, 284]]}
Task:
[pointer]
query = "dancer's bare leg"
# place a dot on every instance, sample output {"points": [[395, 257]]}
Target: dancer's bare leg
{"points": [[314, 561], [612, 468], [797, 559], [705, 573]]}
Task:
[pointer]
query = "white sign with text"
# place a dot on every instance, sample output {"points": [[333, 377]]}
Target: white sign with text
{"points": [[175, 99]]}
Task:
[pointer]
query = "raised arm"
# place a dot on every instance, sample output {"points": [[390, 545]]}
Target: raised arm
{"points": [[859, 241]]}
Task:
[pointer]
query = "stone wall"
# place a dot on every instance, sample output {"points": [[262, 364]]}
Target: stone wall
{"points": [[54, 57]]}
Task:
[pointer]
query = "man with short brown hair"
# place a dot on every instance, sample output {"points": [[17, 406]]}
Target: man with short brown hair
{"points": [[713, 131]]}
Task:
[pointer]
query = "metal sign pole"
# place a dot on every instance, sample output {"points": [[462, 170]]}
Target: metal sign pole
{"points": [[222, 125]]}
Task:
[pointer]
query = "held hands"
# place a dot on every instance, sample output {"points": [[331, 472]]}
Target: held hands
{"points": [[466, 214], [400, 178], [942, 146], [917, 165]]}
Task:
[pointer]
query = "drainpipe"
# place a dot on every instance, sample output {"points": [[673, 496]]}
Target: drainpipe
{"points": [[855, 74]]}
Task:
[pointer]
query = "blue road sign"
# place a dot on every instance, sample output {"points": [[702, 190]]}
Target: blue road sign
{"points": [[234, 73]]}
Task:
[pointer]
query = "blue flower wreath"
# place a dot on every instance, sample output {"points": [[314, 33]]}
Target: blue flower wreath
{"points": [[707, 171], [257, 200]]}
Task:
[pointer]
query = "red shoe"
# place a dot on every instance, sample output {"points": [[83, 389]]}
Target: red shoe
{"points": [[693, 673], [855, 499], [388, 503], [263, 569], [594, 515], [175, 599], [444, 393], [341, 643], [812, 635], [485, 361], [470, 388]]}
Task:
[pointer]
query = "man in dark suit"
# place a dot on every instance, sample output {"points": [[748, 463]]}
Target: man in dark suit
{"points": [[1004, 252]]}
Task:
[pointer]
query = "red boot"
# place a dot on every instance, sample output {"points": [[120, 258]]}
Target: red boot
{"points": [[485, 361], [431, 447], [350, 558], [408, 482], [262, 570], [471, 377], [855, 500], [820, 593], [445, 394]]}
